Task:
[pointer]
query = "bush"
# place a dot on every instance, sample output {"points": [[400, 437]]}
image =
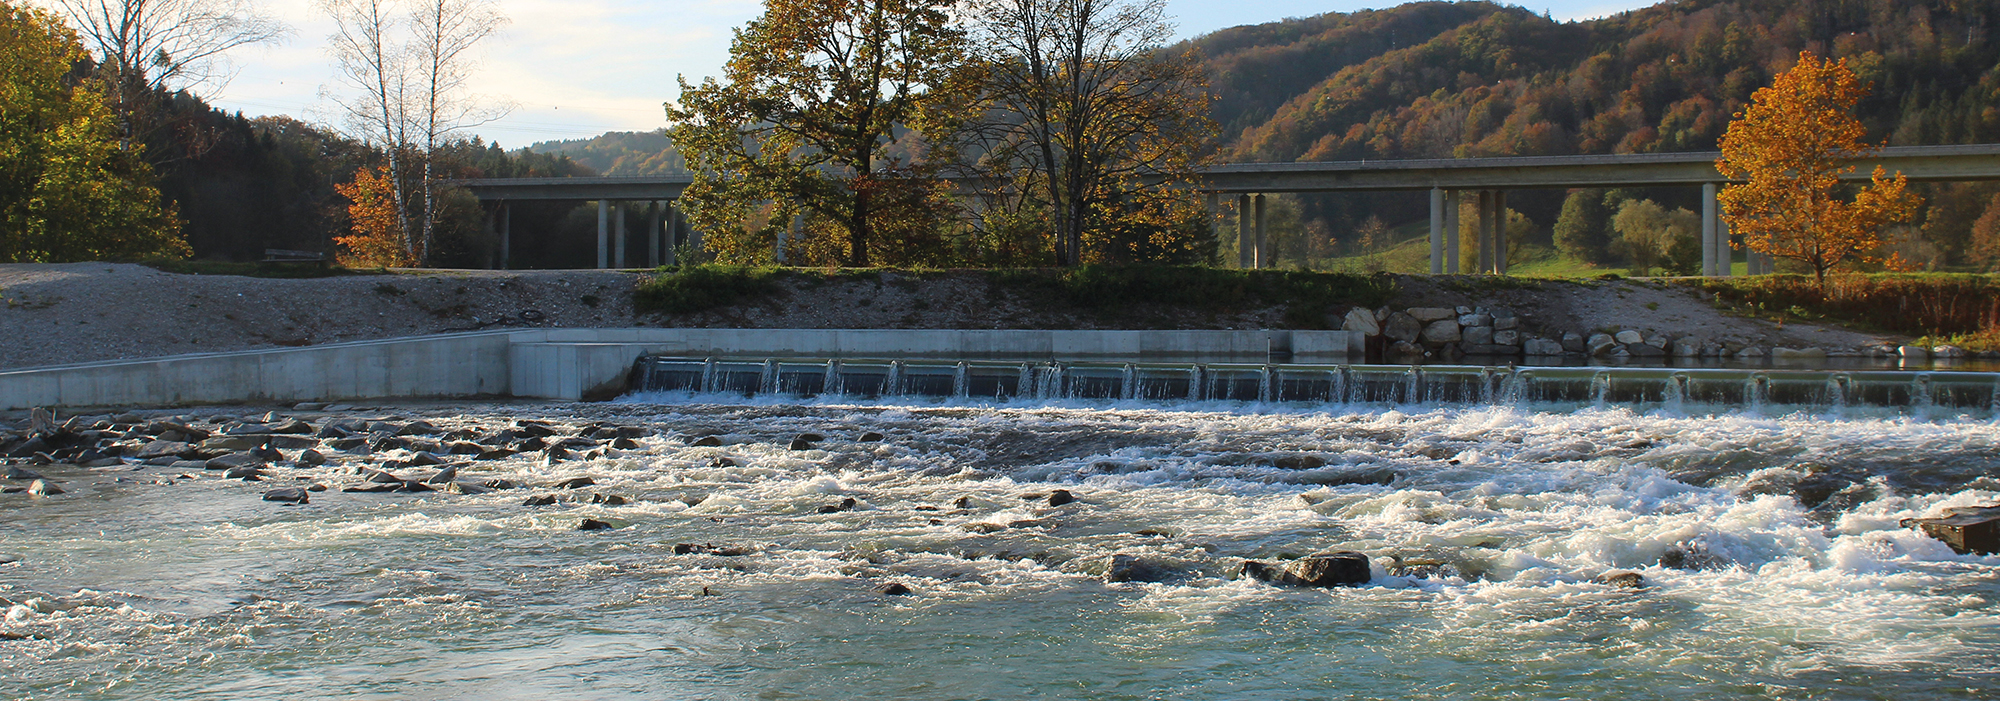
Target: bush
{"points": [[1307, 296], [698, 288], [1911, 304]]}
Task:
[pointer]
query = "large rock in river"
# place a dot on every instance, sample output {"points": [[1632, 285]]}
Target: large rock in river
{"points": [[1323, 570]]}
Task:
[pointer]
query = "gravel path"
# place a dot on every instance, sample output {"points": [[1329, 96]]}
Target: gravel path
{"points": [[84, 312]]}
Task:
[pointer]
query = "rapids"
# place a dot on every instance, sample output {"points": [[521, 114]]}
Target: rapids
{"points": [[1791, 577]]}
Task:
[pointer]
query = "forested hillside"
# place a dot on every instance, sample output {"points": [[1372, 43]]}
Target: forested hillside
{"points": [[620, 153]]}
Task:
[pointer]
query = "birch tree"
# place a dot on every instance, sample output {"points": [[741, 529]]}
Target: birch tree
{"points": [[409, 67]]}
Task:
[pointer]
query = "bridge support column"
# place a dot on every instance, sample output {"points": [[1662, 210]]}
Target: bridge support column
{"points": [[603, 234], [1437, 231], [1452, 200], [618, 230], [1263, 242], [1245, 245], [1485, 232], [653, 213], [506, 232], [1500, 232], [1710, 251], [1213, 202]]}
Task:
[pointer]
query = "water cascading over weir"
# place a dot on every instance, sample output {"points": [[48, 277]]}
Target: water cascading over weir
{"points": [[1553, 387]]}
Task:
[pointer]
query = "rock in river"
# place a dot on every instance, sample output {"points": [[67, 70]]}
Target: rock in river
{"points": [[289, 495], [591, 524], [1324, 570]]}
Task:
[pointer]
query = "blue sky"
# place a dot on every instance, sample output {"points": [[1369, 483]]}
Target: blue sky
{"points": [[577, 68]]}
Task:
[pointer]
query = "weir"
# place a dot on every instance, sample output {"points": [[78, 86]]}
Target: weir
{"points": [[1004, 380]]}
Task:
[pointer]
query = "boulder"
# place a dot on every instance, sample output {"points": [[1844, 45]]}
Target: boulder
{"points": [[1475, 335], [1430, 314], [1572, 342], [591, 524], [310, 458], [1060, 497], [229, 443], [1475, 320], [43, 488], [1600, 344], [708, 442], [1543, 347], [160, 449], [1441, 332], [290, 426], [444, 476], [1508, 321], [1623, 579], [540, 500], [1361, 320], [247, 473], [22, 473], [1967, 529], [608, 499], [289, 495], [894, 589], [1645, 350], [1507, 338], [1686, 347], [869, 437], [1324, 570], [1132, 568], [1402, 327], [845, 504], [1948, 351], [1629, 337], [574, 483], [1913, 353], [235, 460], [290, 441], [710, 549], [1750, 352], [1657, 340]]}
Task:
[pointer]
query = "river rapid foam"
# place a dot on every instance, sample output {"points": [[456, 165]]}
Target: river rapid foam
{"points": [[1770, 547]]}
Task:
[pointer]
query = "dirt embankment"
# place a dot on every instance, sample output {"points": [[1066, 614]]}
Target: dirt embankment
{"points": [[83, 312]]}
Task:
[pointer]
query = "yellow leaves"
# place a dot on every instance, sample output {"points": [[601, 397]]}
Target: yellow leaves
{"points": [[1790, 148], [377, 241]]}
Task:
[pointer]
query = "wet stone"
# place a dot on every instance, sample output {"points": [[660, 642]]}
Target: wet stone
{"points": [[1325, 570], [289, 495], [1967, 529], [1125, 567], [710, 549], [540, 500], [574, 483], [1060, 497], [591, 524], [708, 442], [1623, 579], [869, 437], [894, 589], [846, 504]]}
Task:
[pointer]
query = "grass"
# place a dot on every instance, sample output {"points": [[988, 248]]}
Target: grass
{"points": [[274, 270], [1307, 296], [699, 288], [1937, 307]]}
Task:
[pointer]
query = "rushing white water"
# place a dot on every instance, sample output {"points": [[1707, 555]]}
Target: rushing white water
{"points": [[1794, 579]]}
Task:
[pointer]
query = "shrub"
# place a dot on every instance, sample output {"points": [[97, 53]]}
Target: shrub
{"points": [[1911, 304], [698, 288]]}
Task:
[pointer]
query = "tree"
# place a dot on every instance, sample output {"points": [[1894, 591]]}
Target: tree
{"points": [[1984, 247], [1791, 146], [148, 48], [1648, 233], [1082, 112], [67, 191], [814, 119], [411, 100], [445, 32], [377, 241], [1582, 230]]}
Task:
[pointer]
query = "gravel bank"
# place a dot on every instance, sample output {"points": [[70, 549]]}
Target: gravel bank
{"points": [[84, 312]]}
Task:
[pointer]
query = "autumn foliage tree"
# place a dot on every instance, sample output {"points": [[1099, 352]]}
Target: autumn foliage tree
{"points": [[813, 118], [1790, 148], [378, 223], [68, 192]]}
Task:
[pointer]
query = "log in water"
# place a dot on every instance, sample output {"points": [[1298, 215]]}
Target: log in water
{"points": [[934, 562]]}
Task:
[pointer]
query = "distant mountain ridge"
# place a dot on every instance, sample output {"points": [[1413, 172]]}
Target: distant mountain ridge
{"points": [[1445, 79], [620, 153]]}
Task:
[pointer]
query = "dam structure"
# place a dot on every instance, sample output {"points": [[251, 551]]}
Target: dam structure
{"points": [[1261, 366]]}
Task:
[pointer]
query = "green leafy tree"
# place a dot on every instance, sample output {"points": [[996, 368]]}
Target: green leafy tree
{"points": [[1583, 228], [67, 191], [1648, 232], [813, 120]]}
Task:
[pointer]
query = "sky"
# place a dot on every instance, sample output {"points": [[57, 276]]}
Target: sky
{"points": [[577, 68]]}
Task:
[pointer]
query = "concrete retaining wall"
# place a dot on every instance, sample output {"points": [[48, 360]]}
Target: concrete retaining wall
{"points": [[588, 363]]}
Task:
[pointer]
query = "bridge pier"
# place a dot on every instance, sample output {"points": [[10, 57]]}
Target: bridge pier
{"points": [[603, 234], [653, 233], [506, 232], [1437, 231], [618, 229], [1263, 242], [1452, 198], [1244, 244]]}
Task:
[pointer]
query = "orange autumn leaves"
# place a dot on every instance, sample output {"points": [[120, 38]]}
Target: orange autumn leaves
{"points": [[378, 240], [1790, 148]]}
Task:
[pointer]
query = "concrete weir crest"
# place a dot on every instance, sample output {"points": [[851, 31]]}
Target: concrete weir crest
{"points": [[575, 364]]}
